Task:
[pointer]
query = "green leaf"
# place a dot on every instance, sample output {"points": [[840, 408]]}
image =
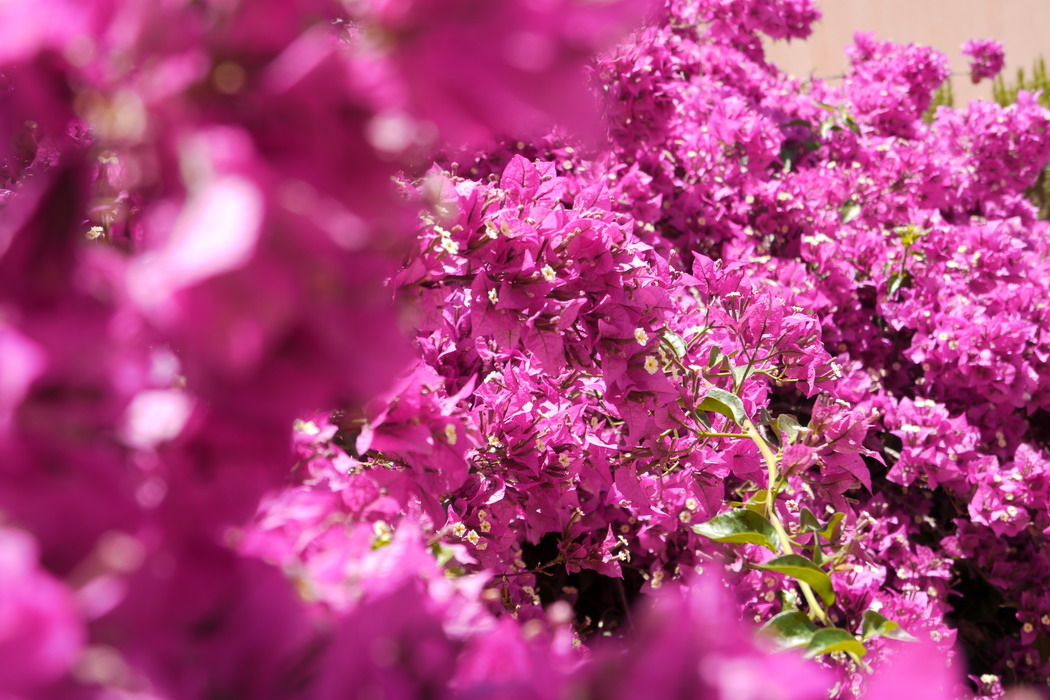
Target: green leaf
{"points": [[789, 630], [724, 402], [818, 553], [788, 428], [825, 105], [443, 554], [809, 523], [676, 342], [740, 526], [740, 372], [802, 569], [876, 625], [714, 357], [896, 280], [832, 527], [850, 211], [758, 501], [788, 600], [764, 416], [832, 639]]}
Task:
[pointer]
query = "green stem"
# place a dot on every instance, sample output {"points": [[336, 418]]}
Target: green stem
{"points": [[771, 511]]}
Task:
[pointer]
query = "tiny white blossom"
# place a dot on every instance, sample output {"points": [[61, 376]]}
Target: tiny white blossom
{"points": [[450, 434], [382, 530], [306, 427], [651, 365], [450, 246], [548, 273], [641, 336], [473, 537]]}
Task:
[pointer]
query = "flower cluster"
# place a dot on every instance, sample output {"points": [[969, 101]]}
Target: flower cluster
{"points": [[986, 58], [430, 348]]}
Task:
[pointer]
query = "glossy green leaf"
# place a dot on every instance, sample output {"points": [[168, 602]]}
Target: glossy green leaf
{"points": [[789, 630], [740, 526], [724, 402], [877, 625], [676, 343], [832, 639], [802, 569]]}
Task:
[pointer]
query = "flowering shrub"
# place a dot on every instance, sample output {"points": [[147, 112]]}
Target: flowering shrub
{"points": [[452, 349]]}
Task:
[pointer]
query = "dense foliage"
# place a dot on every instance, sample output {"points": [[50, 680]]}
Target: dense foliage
{"points": [[558, 349]]}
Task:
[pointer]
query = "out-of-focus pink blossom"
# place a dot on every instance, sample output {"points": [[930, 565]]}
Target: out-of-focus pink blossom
{"points": [[986, 58], [41, 633]]}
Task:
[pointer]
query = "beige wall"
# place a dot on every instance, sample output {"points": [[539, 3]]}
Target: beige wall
{"points": [[1023, 26]]}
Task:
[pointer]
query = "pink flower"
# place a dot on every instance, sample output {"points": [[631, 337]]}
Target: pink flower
{"points": [[986, 58], [41, 633]]}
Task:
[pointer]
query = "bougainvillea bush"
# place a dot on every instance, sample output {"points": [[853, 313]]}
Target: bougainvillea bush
{"points": [[518, 349]]}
